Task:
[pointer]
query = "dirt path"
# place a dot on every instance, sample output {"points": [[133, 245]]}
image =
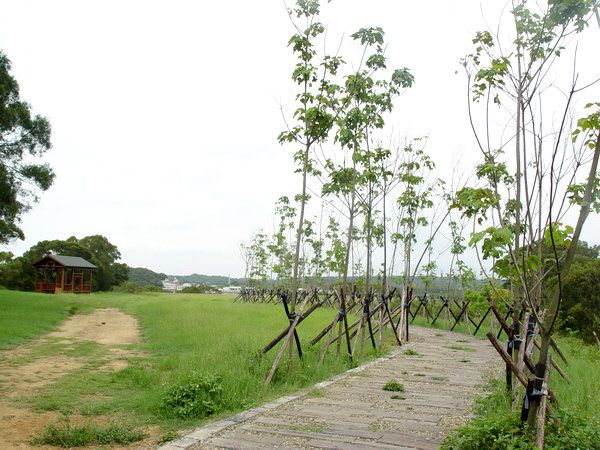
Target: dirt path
{"points": [[46, 360], [107, 326], [354, 412]]}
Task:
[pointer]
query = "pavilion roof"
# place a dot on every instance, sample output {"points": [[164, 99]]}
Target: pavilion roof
{"points": [[67, 261]]}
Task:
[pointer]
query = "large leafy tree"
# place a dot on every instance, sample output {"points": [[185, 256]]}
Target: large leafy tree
{"points": [[105, 255], [18, 273], [23, 138]]}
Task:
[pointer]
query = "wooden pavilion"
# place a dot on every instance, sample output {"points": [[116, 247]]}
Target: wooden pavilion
{"points": [[56, 274]]}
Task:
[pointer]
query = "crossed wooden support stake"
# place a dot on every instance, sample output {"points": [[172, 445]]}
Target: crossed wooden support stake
{"points": [[340, 319]]}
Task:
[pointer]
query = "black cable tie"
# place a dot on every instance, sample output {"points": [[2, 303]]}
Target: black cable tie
{"points": [[515, 342], [534, 394]]}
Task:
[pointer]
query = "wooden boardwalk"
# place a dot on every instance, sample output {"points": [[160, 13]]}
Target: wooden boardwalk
{"points": [[354, 412]]}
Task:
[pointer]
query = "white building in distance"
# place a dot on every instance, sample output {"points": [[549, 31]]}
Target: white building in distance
{"points": [[173, 285]]}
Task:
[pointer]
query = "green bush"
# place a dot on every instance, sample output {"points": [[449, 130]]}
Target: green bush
{"points": [[200, 396], [580, 308], [201, 288]]}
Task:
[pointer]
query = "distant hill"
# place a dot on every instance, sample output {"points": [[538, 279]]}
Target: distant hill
{"points": [[214, 280], [143, 276]]}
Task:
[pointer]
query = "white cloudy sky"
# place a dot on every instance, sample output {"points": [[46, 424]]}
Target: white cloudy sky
{"points": [[165, 113]]}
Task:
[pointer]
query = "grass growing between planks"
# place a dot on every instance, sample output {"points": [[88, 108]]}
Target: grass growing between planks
{"points": [[199, 356], [575, 425]]}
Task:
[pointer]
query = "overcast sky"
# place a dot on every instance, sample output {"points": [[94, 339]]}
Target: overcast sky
{"points": [[165, 114]]}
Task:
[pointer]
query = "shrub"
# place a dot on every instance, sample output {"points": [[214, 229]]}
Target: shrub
{"points": [[201, 288], [580, 308], [200, 396], [151, 288]]}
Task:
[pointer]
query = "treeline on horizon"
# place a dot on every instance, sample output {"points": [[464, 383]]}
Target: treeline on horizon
{"points": [[143, 276]]}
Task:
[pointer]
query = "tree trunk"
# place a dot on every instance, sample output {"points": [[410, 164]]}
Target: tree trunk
{"points": [[299, 232]]}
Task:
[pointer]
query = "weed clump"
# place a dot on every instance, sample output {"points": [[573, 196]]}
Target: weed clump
{"points": [[169, 436], [65, 435], [200, 396], [411, 352], [461, 348], [393, 386]]}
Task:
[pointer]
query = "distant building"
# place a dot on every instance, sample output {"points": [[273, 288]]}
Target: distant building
{"points": [[172, 285], [231, 289]]}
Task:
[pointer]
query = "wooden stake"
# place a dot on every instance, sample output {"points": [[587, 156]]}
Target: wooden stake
{"points": [[541, 415], [329, 339], [523, 346], [286, 342], [283, 334], [597, 340], [507, 359]]}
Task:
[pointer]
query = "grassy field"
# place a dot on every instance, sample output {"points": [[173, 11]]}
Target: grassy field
{"points": [[187, 340]]}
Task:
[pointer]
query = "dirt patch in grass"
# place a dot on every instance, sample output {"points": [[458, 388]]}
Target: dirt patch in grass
{"points": [[19, 425], [26, 369], [40, 372], [105, 326]]}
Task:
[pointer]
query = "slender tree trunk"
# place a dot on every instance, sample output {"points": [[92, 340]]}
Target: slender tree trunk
{"points": [[515, 290], [384, 287], [367, 297], [407, 284], [349, 238], [299, 232]]}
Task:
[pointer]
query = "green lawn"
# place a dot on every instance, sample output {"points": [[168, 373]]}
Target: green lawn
{"points": [[185, 337]]}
